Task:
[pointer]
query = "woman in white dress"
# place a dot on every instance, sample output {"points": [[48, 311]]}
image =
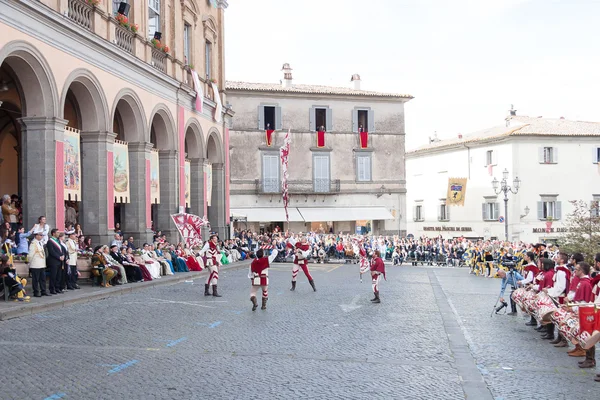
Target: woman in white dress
{"points": [[152, 265]]}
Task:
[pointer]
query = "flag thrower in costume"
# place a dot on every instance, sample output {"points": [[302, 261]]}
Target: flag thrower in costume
{"points": [[285, 153]]}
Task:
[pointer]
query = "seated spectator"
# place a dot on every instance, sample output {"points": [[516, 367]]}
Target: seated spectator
{"points": [[114, 264], [153, 266], [133, 272], [100, 266], [160, 257], [131, 259], [15, 285], [130, 243]]}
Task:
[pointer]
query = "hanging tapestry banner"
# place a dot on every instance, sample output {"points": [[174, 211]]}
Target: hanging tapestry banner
{"points": [[72, 165], [188, 183], [154, 178], [121, 172], [457, 188], [209, 183], [219, 106]]}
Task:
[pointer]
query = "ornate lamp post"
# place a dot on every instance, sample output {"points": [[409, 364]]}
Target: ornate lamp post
{"points": [[502, 186]]}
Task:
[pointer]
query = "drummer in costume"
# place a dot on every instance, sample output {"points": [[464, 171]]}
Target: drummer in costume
{"points": [[561, 278], [301, 252], [259, 275], [590, 354], [213, 262], [364, 262], [377, 271], [544, 282], [530, 271]]}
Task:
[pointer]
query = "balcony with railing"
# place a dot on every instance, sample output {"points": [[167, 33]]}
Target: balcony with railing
{"points": [[80, 12], [159, 59], [316, 186], [124, 38]]}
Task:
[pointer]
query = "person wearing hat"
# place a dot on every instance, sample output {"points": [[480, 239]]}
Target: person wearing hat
{"points": [[72, 248], [37, 264], [114, 264], [100, 266]]}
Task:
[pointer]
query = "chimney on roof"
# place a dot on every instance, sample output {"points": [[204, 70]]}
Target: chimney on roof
{"points": [[512, 111], [287, 75], [356, 79], [562, 117], [460, 135]]}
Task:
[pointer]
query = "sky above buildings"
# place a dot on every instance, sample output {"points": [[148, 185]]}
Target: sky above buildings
{"points": [[465, 61]]}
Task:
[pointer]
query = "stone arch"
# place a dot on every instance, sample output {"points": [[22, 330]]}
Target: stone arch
{"points": [[194, 139], [35, 83], [90, 99], [214, 146], [129, 111], [162, 128]]}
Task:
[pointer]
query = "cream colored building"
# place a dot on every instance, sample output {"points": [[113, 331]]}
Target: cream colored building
{"points": [[338, 185], [72, 66]]}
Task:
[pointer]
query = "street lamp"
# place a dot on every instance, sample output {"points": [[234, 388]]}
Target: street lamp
{"points": [[502, 186]]}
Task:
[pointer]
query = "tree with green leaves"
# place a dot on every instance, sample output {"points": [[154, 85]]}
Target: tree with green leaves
{"points": [[583, 230]]}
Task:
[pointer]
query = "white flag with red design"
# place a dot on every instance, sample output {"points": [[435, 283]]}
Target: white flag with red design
{"points": [[285, 153], [190, 228]]}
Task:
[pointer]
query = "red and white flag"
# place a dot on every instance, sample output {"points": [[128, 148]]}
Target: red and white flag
{"points": [[491, 169], [199, 92], [190, 228], [285, 153]]}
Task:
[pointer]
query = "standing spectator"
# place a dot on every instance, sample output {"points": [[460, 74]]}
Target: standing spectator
{"points": [[70, 214], [130, 244], [42, 226], [117, 241], [72, 263], [10, 212], [55, 261], [78, 230], [118, 228], [37, 265], [22, 246]]}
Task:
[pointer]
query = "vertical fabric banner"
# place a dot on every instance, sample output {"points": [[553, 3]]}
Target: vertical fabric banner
{"points": [[227, 176], [364, 140], [199, 92], [269, 137], [208, 182], [59, 186], [154, 178], [204, 191], [148, 195], [72, 164], [110, 189], [122, 191], [181, 153], [188, 183], [457, 188], [284, 152], [219, 106], [320, 139]]}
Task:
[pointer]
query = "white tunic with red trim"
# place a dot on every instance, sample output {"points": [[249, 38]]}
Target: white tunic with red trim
{"points": [[212, 253]]}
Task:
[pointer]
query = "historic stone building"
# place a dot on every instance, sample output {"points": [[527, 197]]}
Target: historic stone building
{"points": [[346, 164], [101, 114]]}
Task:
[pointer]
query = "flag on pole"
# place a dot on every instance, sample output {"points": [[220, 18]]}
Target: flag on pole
{"points": [[285, 153], [199, 92], [190, 228]]}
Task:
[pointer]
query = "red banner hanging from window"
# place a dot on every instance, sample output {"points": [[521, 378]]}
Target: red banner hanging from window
{"points": [[364, 140], [320, 138], [269, 137]]}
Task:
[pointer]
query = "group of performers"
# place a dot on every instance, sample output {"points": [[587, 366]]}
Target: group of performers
{"points": [[561, 294]]}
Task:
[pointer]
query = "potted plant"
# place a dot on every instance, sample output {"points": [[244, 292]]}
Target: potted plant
{"points": [[93, 3], [123, 21], [134, 28], [213, 80]]}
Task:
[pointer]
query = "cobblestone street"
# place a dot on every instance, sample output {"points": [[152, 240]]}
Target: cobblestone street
{"points": [[431, 337]]}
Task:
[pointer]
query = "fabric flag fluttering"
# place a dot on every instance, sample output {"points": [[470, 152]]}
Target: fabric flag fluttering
{"points": [[199, 92], [190, 227], [285, 153]]}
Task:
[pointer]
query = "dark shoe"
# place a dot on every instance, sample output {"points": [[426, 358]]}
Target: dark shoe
{"points": [[512, 313], [71, 288], [548, 336], [254, 303], [264, 303], [312, 283], [47, 294], [557, 340], [215, 293], [562, 343], [53, 292], [374, 297], [37, 295], [540, 328], [77, 287], [206, 286], [532, 322], [588, 364], [597, 378], [293, 286], [376, 301]]}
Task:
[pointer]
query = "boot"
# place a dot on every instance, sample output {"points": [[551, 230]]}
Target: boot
{"points": [[206, 286], [532, 322], [540, 328], [549, 332], [254, 303], [562, 343], [312, 283], [215, 293], [264, 303], [588, 363], [374, 297], [578, 351], [590, 359], [557, 340], [293, 286], [376, 301]]}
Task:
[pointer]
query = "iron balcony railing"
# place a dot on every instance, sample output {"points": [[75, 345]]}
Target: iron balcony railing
{"points": [[320, 186]]}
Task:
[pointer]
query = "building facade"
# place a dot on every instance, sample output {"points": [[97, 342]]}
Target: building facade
{"points": [[99, 112], [346, 162], [556, 161]]}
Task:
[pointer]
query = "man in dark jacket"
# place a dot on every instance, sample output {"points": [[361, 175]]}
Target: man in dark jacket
{"points": [[55, 261]]}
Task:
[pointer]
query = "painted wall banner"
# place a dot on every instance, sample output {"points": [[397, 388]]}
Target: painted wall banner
{"points": [[148, 199], [72, 167], [227, 177], [188, 183], [209, 182], [218, 106], [121, 184], [59, 184], [154, 178], [110, 189], [457, 188]]}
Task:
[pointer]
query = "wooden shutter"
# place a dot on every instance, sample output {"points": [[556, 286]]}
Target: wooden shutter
{"points": [[484, 211], [415, 216], [540, 210], [371, 122], [312, 117], [555, 155], [541, 155], [271, 173], [494, 157], [355, 121], [261, 118], [497, 211], [557, 210], [329, 120], [278, 124], [321, 173]]}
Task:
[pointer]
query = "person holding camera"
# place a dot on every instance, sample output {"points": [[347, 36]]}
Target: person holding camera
{"points": [[511, 278]]}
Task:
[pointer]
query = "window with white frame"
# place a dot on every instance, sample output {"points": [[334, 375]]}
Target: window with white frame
{"points": [[490, 210], [489, 157], [418, 212], [320, 119], [443, 212], [153, 17], [321, 179], [595, 206], [549, 208], [208, 59], [187, 42], [270, 173], [363, 167], [548, 155], [596, 155]]}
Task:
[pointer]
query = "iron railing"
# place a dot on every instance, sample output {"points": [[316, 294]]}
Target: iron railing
{"points": [[124, 38], [81, 13], [316, 186]]}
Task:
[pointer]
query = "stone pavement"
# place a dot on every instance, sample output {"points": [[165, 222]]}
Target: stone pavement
{"points": [[432, 337]]}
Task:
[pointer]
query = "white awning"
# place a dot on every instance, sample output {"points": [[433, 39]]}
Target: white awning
{"points": [[344, 214], [274, 214]]}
